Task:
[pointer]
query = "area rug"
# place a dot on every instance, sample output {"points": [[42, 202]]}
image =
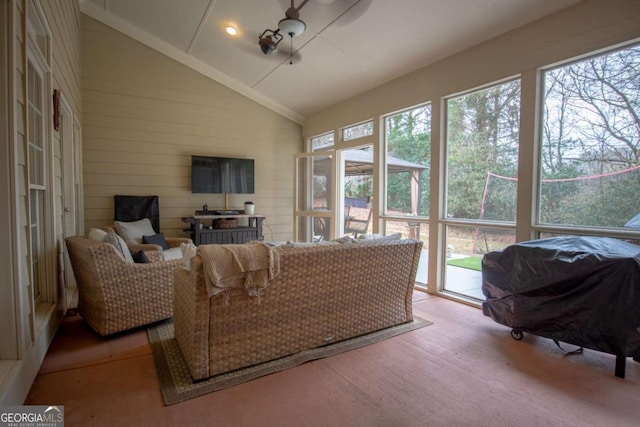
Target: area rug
{"points": [[470, 262], [176, 383]]}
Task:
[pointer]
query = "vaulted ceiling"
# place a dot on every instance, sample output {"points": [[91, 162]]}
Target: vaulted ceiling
{"points": [[349, 46]]}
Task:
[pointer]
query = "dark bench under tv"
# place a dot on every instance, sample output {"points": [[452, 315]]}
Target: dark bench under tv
{"points": [[203, 229]]}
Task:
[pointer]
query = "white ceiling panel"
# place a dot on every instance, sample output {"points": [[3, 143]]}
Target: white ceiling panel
{"points": [[172, 21], [324, 75], [239, 56], [424, 31], [349, 46]]}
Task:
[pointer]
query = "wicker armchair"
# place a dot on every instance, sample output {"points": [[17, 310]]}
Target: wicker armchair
{"points": [[116, 295]]}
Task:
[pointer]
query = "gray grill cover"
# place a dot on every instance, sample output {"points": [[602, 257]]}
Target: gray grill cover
{"points": [[580, 290]]}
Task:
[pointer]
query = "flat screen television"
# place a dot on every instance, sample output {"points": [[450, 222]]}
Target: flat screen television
{"points": [[222, 175]]}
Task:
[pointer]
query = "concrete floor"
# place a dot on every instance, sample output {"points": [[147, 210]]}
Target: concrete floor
{"points": [[457, 279]]}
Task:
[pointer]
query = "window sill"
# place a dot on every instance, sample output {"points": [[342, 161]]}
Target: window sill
{"points": [[44, 311]]}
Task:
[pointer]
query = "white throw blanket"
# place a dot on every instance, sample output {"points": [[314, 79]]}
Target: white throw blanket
{"points": [[237, 267]]}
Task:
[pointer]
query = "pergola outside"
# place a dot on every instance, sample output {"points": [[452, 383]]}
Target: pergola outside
{"points": [[359, 162]]}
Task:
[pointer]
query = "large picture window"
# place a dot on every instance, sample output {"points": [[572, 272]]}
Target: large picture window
{"points": [[482, 153], [590, 154]]}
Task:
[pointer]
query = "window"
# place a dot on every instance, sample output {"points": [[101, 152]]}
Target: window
{"points": [[357, 131], [482, 153], [322, 142], [590, 151], [37, 117], [37, 188], [314, 196], [482, 166], [408, 148]]}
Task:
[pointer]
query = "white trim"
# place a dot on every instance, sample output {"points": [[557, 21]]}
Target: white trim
{"points": [[77, 144], [8, 327], [68, 199], [307, 188], [185, 59]]}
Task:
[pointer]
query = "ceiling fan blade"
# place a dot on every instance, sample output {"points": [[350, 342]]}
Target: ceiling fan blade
{"points": [[353, 13], [300, 6], [286, 56]]}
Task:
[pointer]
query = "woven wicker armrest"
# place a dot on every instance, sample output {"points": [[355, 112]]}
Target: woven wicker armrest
{"points": [[174, 242], [191, 318], [147, 247], [154, 256]]}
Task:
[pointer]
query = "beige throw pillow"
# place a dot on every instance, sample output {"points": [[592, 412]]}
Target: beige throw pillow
{"points": [[133, 231], [96, 235]]}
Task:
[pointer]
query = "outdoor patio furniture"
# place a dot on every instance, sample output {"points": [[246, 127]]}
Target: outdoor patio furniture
{"points": [[355, 225], [114, 294]]}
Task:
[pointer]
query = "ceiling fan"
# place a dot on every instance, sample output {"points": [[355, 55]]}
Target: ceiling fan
{"points": [[291, 25]]}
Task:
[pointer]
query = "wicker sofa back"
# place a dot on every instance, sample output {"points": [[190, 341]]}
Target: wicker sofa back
{"points": [[323, 294], [115, 295]]}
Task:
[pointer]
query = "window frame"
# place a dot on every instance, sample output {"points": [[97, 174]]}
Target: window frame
{"points": [[41, 265], [385, 171]]}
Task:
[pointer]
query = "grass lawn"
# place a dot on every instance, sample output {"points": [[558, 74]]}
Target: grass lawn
{"points": [[473, 262]]}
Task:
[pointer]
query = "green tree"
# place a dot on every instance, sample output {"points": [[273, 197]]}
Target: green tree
{"points": [[482, 138], [591, 128], [408, 136]]}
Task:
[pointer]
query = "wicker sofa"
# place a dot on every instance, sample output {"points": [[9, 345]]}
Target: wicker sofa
{"points": [[115, 295], [323, 293]]}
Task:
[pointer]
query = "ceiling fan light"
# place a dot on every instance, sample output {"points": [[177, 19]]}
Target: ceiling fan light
{"points": [[292, 27], [269, 40]]}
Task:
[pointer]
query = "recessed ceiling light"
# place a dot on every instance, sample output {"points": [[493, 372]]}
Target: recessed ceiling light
{"points": [[231, 30]]}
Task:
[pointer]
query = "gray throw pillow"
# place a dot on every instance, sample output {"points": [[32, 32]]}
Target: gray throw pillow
{"points": [[120, 246]]}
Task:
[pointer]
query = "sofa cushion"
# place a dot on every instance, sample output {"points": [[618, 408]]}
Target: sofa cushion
{"points": [[380, 237], [343, 239], [172, 253], [133, 231], [156, 239], [120, 245], [291, 244]]}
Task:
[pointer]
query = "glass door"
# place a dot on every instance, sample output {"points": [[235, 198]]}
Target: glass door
{"points": [[356, 185], [314, 216]]}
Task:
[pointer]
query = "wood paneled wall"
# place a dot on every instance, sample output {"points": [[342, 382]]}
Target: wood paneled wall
{"points": [[145, 115]]}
